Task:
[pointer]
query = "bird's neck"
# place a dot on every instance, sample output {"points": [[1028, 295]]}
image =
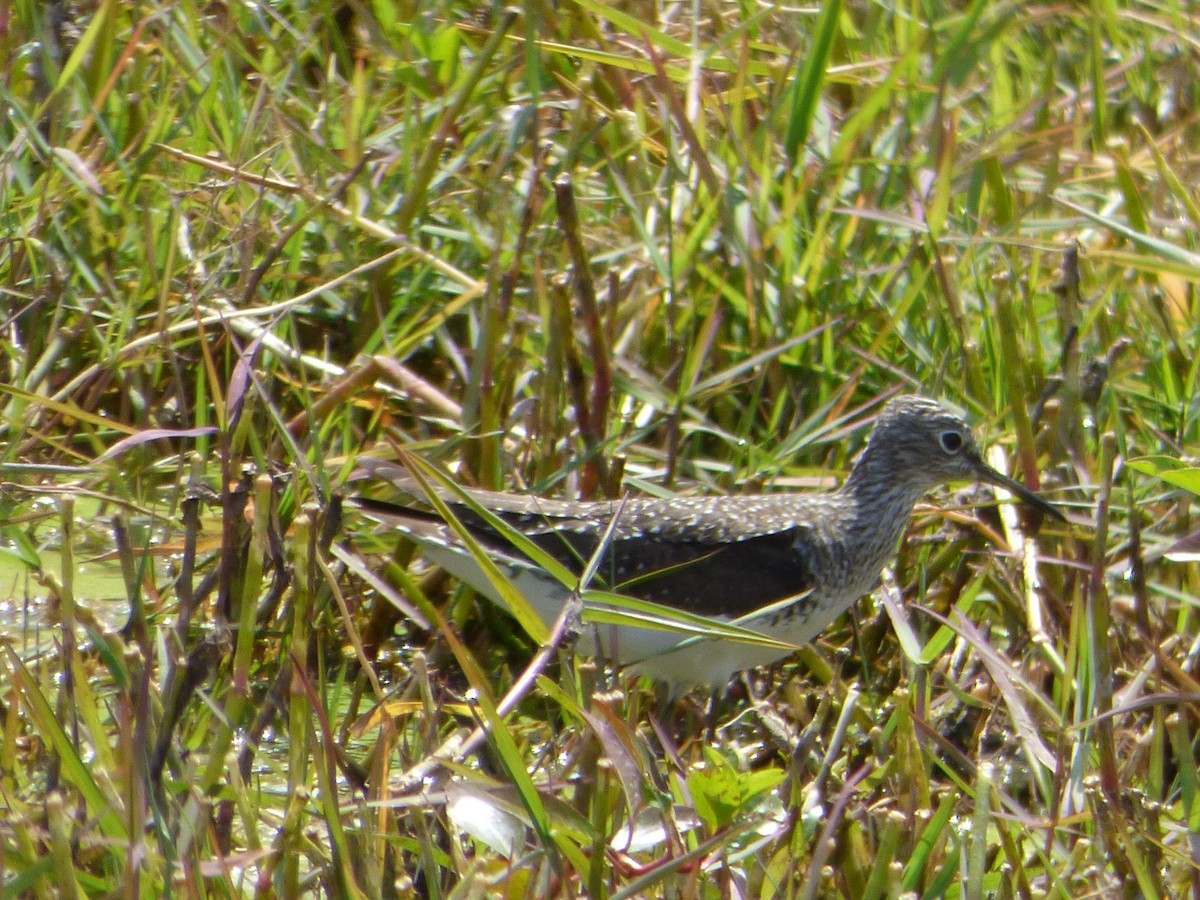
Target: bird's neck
{"points": [[878, 501]]}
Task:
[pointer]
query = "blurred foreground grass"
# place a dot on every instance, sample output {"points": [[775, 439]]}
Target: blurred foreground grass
{"points": [[583, 249]]}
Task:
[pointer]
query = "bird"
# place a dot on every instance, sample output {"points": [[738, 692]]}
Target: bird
{"points": [[784, 564]]}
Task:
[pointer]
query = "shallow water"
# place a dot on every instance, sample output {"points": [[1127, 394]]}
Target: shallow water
{"points": [[29, 613]]}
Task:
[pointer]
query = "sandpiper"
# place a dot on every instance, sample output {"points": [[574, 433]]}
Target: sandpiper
{"points": [[801, 558]]}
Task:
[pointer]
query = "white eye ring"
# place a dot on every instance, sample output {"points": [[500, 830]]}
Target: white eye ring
{"points": [[952, 441]]}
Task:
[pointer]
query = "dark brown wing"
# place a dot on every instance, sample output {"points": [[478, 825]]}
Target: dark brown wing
{"points": [[726, 579]]}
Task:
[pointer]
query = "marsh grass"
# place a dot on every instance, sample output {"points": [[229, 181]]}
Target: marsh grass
{"points": [[581, 250]]}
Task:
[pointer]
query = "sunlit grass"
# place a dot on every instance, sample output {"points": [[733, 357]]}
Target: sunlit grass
{"points": [[576, 250]]}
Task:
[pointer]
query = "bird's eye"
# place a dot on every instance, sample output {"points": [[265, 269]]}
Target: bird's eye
{"points": [[952, 441]]}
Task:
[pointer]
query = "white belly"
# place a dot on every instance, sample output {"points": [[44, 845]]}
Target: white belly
{"points": [[678, 659]]}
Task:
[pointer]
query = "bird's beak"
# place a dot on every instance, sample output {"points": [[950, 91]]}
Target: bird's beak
{"points": [[999, 479]]}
